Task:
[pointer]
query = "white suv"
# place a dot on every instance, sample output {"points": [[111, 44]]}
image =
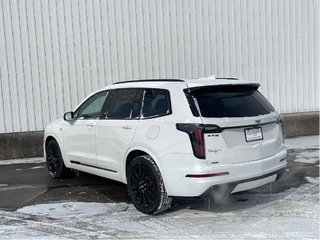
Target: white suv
{"points": [[168, 138]]}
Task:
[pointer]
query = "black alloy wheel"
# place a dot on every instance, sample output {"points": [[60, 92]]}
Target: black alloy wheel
{"points": [[145, 186], [54, 160]]}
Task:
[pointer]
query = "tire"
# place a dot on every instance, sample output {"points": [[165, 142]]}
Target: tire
{"points": [[145, 186], [54, 160]]}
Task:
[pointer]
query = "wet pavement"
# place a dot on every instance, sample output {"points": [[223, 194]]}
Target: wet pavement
{"points": [[26, 184], [30, 183]]}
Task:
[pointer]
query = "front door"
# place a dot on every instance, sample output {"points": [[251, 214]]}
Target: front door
{"points": [[79, 135]]}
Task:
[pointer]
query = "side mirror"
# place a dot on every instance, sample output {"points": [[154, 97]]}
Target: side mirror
{"points": [[68, 116]]}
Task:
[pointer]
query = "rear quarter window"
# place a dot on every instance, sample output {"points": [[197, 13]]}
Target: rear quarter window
{"points": [[156, 103], [230, 101]]}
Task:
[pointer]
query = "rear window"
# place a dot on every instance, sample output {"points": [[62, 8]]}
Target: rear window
{"points": [[125, 104], [230, 101]]}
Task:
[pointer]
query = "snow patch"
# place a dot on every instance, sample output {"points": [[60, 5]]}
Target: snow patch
{"points": [[129, 226], [70, 209], [302, 142], [24, 187], [24, 233], [37, 167], [303, 160], [22, 161], [313, 179], [309, 156]]}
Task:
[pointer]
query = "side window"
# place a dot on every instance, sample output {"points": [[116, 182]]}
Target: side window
{"points": [[126, 104], [156, 103], [92, 107]]}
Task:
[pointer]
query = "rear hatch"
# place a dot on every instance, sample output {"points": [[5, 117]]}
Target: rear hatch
{"points": [[240, 125]]}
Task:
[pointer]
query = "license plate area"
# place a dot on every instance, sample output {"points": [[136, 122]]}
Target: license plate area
{"points": [[253, 134]]}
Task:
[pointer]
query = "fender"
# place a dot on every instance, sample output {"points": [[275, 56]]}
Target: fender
{"points": [[144, 149], [55, 131]]}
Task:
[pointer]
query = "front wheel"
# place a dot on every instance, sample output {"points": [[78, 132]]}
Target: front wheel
{"points": [[145, 186], [54, 160]]}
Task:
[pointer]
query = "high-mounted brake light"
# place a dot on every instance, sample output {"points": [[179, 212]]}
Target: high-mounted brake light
{"points": [[195, 132]]}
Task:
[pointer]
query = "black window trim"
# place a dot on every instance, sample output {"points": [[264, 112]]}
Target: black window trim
{"points": [[194, 109]]}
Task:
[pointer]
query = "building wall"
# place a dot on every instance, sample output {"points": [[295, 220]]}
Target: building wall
{"points": [[54, 52]]}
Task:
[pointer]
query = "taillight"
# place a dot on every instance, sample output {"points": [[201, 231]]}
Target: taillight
{"points": [[280, 123], [195, 132]]}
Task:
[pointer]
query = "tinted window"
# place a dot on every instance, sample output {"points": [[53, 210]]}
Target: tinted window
{"points": [[156, 103], [125, 104], [231, 101], [92, 107]]}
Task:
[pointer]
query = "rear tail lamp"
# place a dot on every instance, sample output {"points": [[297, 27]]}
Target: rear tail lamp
{"points": [[195, 132], [280, 123]]}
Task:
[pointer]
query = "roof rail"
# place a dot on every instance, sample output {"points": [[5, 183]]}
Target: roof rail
{"points": [[228, 78], [151, 80], [213, 77]]}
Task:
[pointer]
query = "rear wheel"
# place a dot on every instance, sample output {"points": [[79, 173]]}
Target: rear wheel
{"points": [[54, 160], [145, 186]]}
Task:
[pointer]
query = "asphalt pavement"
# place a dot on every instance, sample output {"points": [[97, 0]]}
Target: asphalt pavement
{"points": [[30, 183]]}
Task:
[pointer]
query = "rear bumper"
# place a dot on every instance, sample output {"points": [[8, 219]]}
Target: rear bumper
{"points": [[240, 177], [247, 184]]}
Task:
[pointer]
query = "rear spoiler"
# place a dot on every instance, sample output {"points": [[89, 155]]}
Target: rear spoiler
{"points": [[194, 87], [212, 81]]}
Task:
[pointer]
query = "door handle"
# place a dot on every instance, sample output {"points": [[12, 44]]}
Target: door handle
{"points": [[90, 125], [127, 127]]}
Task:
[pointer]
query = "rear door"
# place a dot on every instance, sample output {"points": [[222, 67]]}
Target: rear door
{"points": [[115, 131], [241, 124]]}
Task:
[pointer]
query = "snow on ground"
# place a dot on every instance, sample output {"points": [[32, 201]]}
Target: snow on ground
{"points": [[313, 179], [303, 142], [292, 214], [307, 148], [69, 209], [308, 157], [21, 161]]}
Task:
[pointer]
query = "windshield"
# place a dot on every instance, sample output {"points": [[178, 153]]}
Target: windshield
{"points": [[230, 101]]}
